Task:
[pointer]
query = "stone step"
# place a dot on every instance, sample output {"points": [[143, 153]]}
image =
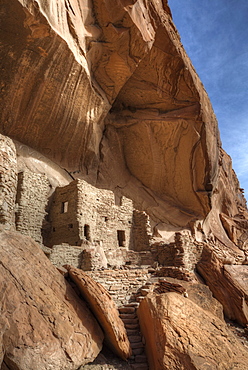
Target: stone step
{"points": [[128, 315], [137, 345], [141, 358], [134, 338], [132, 304], [132, 326], [130, 321], [132, 331], [137, 351], [126, 310]]}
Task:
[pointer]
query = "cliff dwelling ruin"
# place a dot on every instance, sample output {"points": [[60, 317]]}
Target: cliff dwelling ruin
{"points": [[123, 227]]}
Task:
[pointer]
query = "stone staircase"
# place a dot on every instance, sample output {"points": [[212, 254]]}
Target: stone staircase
{"points": [[128, 314], [128, 288]]}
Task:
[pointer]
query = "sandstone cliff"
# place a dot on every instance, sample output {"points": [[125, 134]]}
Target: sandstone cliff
{"points": [[104, 91], [107, 91]]}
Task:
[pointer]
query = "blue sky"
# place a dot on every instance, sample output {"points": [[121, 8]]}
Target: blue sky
{"points": [[215, 36]]}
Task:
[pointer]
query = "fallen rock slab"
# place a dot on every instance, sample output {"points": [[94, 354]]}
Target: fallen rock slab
{"points": [[43, 324], [181, 335], [105, 310], [239, 273], [197, 292], [227, 284]]}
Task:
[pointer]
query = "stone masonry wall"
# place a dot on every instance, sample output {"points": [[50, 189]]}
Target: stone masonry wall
{"points": [[32, 192], [81, 212], [141, 231], [87, 256], [108, 223], [63, 216], [121, 284], [66, 254], [8, 183], [192, 250], [184, 252]]}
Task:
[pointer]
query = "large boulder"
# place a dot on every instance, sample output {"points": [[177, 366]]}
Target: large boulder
{"points": [[43, 324], [181, 335], [105, 310], [228, 284]]}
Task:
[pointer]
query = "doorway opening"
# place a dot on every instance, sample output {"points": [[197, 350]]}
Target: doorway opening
{"points": [[87, 232], [121, 238]]}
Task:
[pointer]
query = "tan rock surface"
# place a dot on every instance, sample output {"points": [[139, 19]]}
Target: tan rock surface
{"points": [[228, 218], [70, 63], [105, 310], [228, 285], [200, 294], [44, 325], [181, 335]]}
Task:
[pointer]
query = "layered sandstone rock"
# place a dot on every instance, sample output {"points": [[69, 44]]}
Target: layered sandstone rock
{"points": [[228, 217], [228, 284], [105, 311], [44, 325], [66, 64], [181, 335]]}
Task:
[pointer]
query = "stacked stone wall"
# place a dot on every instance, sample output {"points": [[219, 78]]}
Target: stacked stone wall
{"points": [[141, 231], [32, 193], [122, 285], [192, 250], [8, 183], [109, 223], [184, 252], [63, 216], [66, 254], [91, 215]]}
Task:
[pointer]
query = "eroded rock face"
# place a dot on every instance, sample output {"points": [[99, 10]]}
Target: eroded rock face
{"points": [[181, 335], [44, 325], [66, 64], [105, 310], [228, 284], [106, 90]]}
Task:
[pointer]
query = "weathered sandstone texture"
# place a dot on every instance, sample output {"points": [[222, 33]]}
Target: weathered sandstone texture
{"points": [[44, 325], [105, 310], [182, 335], [228, 284], [106, 90]]}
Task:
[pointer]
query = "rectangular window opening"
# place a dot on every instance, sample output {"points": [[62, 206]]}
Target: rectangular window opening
{"points": [[64, 207]]}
